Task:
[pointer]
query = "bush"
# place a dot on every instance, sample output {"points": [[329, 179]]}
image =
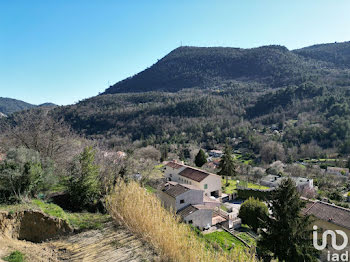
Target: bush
{"points": [[22, 174], [253, 212], [335, 195], [15, 256]]}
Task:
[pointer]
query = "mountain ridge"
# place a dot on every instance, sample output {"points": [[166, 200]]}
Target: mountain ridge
{"points": [[207, 67], [11, 105]]}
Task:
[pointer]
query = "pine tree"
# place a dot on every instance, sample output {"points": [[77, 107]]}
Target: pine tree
{"points": [[163, 153], [200, 159], [227, 164], [287, 233], [83, 183]]}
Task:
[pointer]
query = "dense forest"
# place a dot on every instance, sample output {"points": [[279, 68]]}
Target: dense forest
{"points": [[297, 99], [250, 96], [209, 67]]}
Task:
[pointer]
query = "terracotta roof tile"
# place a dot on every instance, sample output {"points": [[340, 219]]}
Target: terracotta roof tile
{"points": [[174, 190], [174, 165], [194, 174], [330, 213]]}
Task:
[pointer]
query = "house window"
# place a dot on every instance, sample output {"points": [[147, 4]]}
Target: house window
{"points": [[182, 201], [171, 175], [190, 222], [205, 186]]}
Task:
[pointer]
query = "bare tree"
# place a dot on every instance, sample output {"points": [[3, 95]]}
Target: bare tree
{"points": [[36, 130], [272, 151]]}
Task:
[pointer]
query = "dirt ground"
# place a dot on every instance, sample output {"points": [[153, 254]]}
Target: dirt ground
{"points": [[112, 243], [33, 252]]}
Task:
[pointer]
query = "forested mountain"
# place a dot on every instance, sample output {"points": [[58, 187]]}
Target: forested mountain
{"points": [[10, 105], [209, 67], [338, 54], [251, 96]]}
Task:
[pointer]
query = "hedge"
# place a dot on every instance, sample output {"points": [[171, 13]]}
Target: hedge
{"points": [[262, 194]]}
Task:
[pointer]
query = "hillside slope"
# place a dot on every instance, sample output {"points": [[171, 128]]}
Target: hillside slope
{"points": [[338, 54], [239, 90], [188, 67], [10, 105]]}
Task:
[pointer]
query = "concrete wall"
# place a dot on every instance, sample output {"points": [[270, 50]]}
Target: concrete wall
{"points": [[214, 184], [213, 181], [201, 218], [172, 173], [167, 201], [191, 197]]}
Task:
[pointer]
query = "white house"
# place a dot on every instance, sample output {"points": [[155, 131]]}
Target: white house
{"points": [[183, 174], [300, 182], [188, 202]]}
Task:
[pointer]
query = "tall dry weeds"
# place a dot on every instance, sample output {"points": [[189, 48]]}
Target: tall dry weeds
{"points": [[144, 215]]}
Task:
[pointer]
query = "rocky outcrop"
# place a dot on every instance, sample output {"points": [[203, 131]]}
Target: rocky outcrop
{"points": [[31, 225]]}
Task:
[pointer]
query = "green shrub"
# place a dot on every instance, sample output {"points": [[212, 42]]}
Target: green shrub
{"points": [[245, 193], [15, 256], [22, 174], [253, 212]]}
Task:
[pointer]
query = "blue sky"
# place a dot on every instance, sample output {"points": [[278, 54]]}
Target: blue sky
{"points": [[66, 50]]}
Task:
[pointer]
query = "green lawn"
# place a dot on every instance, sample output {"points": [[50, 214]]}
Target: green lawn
{"points": [[50, 209], [83, 221], [224, 239], [150, 189], [231, 188], [319, 160], [247, 238]]}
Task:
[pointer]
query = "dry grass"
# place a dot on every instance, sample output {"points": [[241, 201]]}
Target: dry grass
{"points": [[143, 214]]}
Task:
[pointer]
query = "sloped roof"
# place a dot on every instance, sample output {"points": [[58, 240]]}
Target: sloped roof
{"points": [[190, 172], [331, 213], [194, 174], [188, 210], [174, 190], [184, 212], [174, 165]]}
